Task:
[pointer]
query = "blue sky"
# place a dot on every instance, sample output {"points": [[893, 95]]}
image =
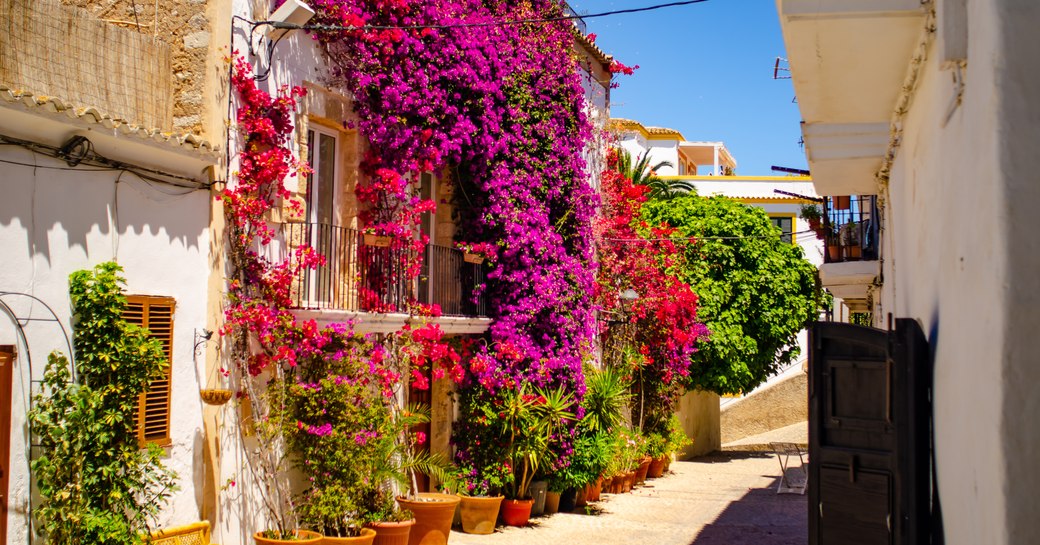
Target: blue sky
{"points": [[707, 71]]}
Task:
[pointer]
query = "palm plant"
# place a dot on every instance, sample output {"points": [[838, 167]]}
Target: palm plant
{"points": [[641, 172], [606, 396], [532, 424]]}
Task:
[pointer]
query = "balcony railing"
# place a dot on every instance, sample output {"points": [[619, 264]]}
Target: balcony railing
{"points": [[363, 278], [851, 228]]}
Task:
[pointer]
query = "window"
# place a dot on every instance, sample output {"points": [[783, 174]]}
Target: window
{"points": [[153, 408], [321, 182], [786, 224]]}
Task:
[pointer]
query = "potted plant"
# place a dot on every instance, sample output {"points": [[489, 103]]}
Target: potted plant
{"points": [[850, 240], [483, 472], [677, 439], [480, 496], [812, 214], [530, 422], [833, 246], [335, 419], [657, 450], [372, 237]]}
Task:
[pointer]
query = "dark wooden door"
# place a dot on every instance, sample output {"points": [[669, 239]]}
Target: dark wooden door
{"points": [[869, 415], [7, 354]]}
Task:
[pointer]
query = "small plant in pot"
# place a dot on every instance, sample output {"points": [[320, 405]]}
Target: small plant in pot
{"points": [[812, 214], [850, 241], [531, 422]]}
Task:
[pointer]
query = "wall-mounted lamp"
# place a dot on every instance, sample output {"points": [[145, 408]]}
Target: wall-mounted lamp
{"points": [[289, 16], [200, 339], [629, 295]]}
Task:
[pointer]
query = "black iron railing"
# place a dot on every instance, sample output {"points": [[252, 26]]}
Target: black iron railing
{"points": [[367, 276], [851, 225]]}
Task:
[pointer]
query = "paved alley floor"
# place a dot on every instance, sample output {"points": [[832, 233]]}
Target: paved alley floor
{"points": [[727, 498]]}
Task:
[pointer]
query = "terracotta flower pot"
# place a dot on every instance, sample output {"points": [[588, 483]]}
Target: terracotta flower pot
{"points": [[667, 462], [627, 481], [834, 253], [616, 483], [303, 537], [538, 490], [433, 513], [552, 503], [366, 537], [376, 241], [644, 466], [594, 490], [516, 512], [391, 533], [479, 514], [580, 499], [656, 468]]}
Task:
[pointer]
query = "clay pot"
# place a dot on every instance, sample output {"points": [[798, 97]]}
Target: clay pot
{"points": [[303, 537], [656, 468], [567, 500], [628, 480], [516, 512], [479, 514], [841, 202], [366, 537], [644, 466], [391, 533], [834, 253], [667, 462], [552, 503], [538, 490], [616, 483], [580, 496], [593, 490], [433, 513]]}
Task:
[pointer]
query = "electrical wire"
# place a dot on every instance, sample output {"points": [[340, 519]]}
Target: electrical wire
{"points": [[533, 20], [97, 163], [696, 238]]}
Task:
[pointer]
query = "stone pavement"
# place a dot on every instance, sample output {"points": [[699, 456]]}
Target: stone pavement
{"points": [[728, 498]]}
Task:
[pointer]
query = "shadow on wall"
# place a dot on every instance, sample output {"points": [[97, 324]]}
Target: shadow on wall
{"points": [[57, 209]]}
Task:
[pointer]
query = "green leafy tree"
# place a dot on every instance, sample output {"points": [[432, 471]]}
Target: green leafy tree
{"points": [[756, 291], [96, 484]]}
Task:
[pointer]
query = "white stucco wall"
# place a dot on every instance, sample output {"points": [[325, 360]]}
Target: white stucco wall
{"points": [[960, 256], [54, 222]]}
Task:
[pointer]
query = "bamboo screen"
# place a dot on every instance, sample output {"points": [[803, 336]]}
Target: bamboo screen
{"points": [[53, 50], [153, 413]]}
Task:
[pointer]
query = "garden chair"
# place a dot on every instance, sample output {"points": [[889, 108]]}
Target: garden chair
{"points": [[196, 533], [793, 480]]}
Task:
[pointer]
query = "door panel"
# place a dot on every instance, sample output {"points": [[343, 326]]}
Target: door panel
{"points": [[868, 435], [7, 355]]}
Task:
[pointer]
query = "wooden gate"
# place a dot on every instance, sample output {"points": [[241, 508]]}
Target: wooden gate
{"points": [[869, 418]]}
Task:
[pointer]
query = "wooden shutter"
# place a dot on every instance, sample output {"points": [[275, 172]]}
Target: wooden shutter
{"points": [[153, 409]]}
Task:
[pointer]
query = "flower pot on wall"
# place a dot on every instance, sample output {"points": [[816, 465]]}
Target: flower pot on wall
{"points": [[842, 202], [476, 259], [391, 533], [479, 514], [538, 490], [212, 396], [366, 537], [516, 512], [853, 252], [377, 241], [433, 513], [303, 537]]}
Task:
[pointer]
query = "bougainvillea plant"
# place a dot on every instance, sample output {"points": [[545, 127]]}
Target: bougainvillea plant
{"points": [[655, 334], [498, 110]]}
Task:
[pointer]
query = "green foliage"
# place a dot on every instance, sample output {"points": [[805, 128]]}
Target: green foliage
{"points": [[641, 172], [96, 485], [676, 438], [606, 395], [531, 423], [810, 212], [756, 292], [865, 319], [656, 445]]}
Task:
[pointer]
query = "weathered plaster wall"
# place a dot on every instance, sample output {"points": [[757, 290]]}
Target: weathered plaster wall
{"points": [[779, 404], [54, 222], [960, 256], [699, 414]]}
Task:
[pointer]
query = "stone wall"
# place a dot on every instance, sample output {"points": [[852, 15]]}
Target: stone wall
{"points": [[186, 28]]}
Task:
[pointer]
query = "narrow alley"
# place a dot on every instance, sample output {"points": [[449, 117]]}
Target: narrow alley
{"points": [[726, 498]]}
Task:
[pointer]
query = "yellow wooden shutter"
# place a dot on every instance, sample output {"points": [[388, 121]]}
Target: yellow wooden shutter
{"points": [[153, 409]]}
